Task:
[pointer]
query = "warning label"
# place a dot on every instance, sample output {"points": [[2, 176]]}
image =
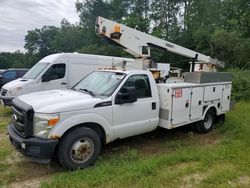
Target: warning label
{"points": [[178, 93]]}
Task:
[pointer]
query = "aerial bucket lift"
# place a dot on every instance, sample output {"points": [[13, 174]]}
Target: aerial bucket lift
{"points": [[138, 44]]}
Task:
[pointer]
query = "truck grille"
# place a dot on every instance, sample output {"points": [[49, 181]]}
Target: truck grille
{"points": [[18, 120], [22, 120], [3, 92]]}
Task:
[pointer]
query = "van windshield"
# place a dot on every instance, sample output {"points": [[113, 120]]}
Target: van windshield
{"points": [[35, 70], [100, 83]]}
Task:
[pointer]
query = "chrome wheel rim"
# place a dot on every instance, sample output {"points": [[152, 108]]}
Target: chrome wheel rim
{"points": [[208, 120], [82, 150]]}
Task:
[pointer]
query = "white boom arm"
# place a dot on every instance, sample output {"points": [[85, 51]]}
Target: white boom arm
{"points": [[138, 43]]}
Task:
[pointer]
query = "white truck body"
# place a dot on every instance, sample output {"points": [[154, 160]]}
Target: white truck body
{"points": [[134, 105], [76, 67]]}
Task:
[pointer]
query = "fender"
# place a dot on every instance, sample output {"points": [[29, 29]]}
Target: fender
{"points": [[75, 120], [207, 108]]}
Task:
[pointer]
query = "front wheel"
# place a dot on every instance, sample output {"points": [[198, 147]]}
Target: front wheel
{"points": [[79, 148], [207, 124]]}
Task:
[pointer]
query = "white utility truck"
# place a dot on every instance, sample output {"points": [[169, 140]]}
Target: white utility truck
{"points": [[56, 71], [108, 105]]}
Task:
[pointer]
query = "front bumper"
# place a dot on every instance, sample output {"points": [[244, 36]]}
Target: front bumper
{"points": [[7, 101], [40, 150]]}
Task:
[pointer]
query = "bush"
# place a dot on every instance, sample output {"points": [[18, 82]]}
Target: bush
{"points": [[241, 84]]}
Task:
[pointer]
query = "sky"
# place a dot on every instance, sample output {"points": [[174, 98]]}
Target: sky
{"points": [[17, 17]]}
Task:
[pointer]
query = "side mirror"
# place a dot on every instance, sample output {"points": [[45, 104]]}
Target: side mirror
{"points": [[126, 95]]}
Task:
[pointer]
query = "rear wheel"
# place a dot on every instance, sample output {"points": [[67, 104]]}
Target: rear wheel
{"points": [[207, 124], [79, 148]]}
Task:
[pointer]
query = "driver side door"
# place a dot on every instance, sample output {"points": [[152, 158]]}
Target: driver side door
{"points": [[135, 117], [55, 77]]}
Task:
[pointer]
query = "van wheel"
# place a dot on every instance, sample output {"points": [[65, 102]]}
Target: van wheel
{"points": [[79, 148], [207, 124]]}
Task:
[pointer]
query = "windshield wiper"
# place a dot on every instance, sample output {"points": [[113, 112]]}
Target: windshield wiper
{"points": [[87, 91]]}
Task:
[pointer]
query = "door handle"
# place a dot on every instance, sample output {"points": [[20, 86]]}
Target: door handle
{"points": [[63, 83], [153, 105]]}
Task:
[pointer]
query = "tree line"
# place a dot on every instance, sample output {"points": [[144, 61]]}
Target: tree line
{"points": [[219, 28]]}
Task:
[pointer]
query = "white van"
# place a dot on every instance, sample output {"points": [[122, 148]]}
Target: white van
{"points": [[57, 71]]}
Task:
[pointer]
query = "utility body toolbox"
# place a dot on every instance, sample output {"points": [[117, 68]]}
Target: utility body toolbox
{"points": [[182, 103]]}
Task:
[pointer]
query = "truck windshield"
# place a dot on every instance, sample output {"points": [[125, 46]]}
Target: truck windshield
{"points": [[35, 70], [100, 83]]}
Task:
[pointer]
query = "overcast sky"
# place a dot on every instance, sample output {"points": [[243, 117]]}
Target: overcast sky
{"points": [[19, 16]]}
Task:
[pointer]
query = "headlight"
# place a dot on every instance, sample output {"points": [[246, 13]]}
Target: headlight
{"points": [[14, 91], [43, 123]]}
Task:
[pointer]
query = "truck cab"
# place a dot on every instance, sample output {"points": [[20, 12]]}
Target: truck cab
{"points": [[73, 124]]}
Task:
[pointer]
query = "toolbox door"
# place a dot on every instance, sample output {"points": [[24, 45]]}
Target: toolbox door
{"points": [[213, 93], [225, 105], [196, 103], [180, 106]]}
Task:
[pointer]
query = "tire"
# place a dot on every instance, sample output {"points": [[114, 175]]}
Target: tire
{"points": [[221, 118], [193, 127], [79, 148], [207, 124]]}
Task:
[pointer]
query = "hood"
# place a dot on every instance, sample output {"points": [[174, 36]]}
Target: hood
{"points": [[59, 101], [17, 83]]}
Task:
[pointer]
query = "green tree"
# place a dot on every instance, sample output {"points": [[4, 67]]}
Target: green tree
{"points": [[41, 40], [201, 19], [88, 11], [119, 10], [219, 28], [17, 60], [69, 38], [165, 18], [236, 16], [138, 15], [224, 45]]}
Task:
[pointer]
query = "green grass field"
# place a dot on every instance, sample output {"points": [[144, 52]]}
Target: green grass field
{"points": [[177, 158]]}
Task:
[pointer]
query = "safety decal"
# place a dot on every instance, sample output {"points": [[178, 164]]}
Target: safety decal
{"points": [[178, 93]]}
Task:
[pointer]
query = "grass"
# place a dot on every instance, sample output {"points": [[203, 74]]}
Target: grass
{"points": [[4, 145], [5, 148], [176, 158]]}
